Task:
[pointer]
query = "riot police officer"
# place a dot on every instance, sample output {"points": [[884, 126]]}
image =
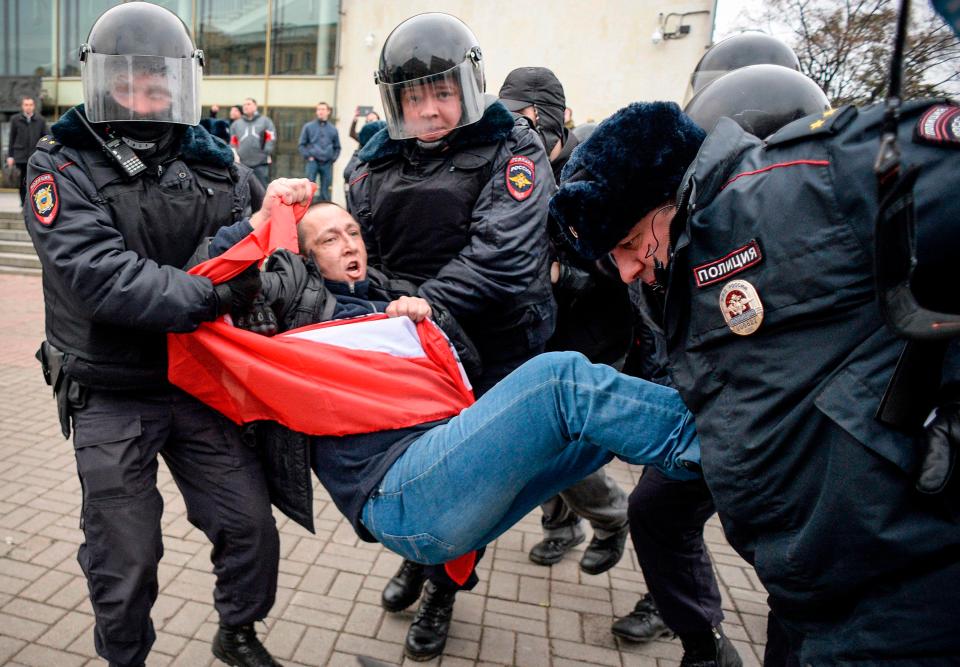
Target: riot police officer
{"points": [[750, 47], [120, 196], [453, 196], [777, 345]]}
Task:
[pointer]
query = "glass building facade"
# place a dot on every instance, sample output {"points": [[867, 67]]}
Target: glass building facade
{"points": [[282, 53]]}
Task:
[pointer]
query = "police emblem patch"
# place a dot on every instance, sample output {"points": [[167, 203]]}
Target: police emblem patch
{"points": [[519, 176], [940, 124], [741, 307], [44, 198]]}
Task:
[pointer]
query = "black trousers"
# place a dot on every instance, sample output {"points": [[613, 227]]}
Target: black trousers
{"points": [[666, 525], [117, 437]]}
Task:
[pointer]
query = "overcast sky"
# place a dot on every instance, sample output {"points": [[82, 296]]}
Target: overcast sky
{"points": [[732, 17]]}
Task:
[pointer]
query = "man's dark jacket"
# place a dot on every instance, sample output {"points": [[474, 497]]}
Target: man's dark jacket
{"points": [[24, 135], [811, 488]]}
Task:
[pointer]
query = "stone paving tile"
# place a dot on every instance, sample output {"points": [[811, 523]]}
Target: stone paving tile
{"points": [[328, 604]]}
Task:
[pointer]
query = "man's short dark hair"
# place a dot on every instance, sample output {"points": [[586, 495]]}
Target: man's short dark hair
{"points": [[325, 105]]}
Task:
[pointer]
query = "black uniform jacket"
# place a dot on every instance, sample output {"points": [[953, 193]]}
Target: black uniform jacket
{"points": [[112, 248], [451, 221], [811, 488]]}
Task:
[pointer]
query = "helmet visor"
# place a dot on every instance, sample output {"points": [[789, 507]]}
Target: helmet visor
{"points": [[430, 107], [149, 88]]}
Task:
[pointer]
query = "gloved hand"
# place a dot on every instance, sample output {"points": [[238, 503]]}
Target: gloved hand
{"points": [[259, 318], [942, 437], [237, 294]]}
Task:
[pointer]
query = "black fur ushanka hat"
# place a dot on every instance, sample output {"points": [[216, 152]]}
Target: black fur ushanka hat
{"points": [[632, 163]]}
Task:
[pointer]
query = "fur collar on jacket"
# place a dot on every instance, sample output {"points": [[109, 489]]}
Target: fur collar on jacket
{"points": [[197, 145]]}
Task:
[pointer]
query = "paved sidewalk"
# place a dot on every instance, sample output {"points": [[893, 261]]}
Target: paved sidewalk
{"points": [[327, 609]]}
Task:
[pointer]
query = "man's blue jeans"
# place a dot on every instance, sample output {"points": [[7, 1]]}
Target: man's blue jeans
{"points": [[325, 171], [541, 429]]}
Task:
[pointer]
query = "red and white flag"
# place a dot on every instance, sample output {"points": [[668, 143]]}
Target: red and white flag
{"points": [[337, 378]]}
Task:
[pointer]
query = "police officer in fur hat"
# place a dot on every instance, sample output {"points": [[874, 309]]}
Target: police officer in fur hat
{"points": [[777, 344], [120, 196]]}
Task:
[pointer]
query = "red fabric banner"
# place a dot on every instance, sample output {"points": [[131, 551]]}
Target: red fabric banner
{"points": [[318, 388]]}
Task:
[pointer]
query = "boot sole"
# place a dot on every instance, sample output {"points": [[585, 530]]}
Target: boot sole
{"points": [[423, 658], [219, 655], [643, 640], [603, 568]]}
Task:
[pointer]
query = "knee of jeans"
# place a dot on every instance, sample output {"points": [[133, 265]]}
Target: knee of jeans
{"points": [[558, 365]]}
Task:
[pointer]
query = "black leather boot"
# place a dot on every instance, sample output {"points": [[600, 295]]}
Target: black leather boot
{"points": [[237, 645], [552, 549], [428, 632], [601, 555], [404, 587], [711, 649], [643, 624]]}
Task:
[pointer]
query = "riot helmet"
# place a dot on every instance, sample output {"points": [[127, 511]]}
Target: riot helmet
{"points": [[430, 77], [139, 64], [759, 98], [746, 48]]}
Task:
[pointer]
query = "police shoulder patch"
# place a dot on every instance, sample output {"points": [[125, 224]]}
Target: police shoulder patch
{"points": [[519, 176], [940, 124], [44, 198]]}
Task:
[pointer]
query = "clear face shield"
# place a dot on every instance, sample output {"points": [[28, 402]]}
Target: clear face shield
{"points": [[147, 88], [430, 107]]}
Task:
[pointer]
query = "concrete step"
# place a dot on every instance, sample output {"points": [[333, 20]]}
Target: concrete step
{"points": [[20, 270], [19, 260], [14, 235], [17, 247], [11, 220]]}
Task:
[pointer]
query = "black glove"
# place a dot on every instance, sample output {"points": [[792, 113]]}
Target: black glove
{"points": [[259, 318], [942, 436], [237, 294]]}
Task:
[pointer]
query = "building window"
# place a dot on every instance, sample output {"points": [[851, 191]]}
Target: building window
{"points": [[289, 121], [76, 19], [26, 38], [232, 34], [304, 37]]}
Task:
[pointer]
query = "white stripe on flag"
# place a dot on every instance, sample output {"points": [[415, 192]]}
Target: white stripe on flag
{"points": [[393, 335]]}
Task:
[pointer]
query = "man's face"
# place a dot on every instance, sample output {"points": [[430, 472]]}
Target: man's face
{"points": [[249, 107], [431, 110], [334, 242], [146, 94], [234, 113], [646, 241], [323, 112], [27, 106]]}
